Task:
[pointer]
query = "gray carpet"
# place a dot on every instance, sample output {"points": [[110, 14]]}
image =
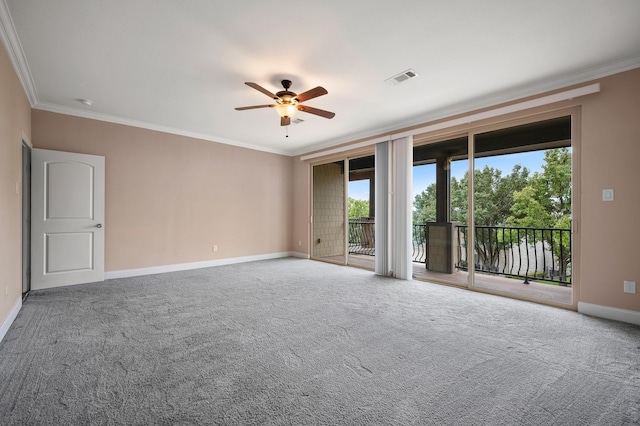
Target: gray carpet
{"points": [[298, 342]]}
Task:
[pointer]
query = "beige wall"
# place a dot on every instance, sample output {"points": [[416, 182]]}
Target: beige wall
{"points": [[169, 198], [608, 156], [15, 118]]}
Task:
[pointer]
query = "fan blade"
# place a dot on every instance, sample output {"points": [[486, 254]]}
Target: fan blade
{"points": [[254, 107], [262, 89], [310, 94], [285, 121], [316, 111]]}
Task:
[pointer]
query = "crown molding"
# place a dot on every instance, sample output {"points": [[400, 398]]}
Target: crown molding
{"points": [[151, 126], [14, 50]]}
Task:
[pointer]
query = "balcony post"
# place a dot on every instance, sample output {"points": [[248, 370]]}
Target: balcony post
{"points": [[443, 189], [372, 196]]}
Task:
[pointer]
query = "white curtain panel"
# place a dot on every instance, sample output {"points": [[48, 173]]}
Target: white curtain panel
{"points": [[402, 202], [383, 207]]}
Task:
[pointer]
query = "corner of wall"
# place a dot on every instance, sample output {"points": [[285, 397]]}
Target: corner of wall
{"points": [[13, 313]]}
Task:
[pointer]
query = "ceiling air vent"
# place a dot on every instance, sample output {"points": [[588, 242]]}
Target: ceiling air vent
{"points": [[403, 76]]}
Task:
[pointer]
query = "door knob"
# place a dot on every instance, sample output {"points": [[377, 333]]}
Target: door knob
{"points": [[99, 225]]}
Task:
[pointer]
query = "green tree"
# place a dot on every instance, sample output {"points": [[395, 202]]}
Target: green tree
{"points": [[546, 203], [459, 205], [548, 194], [493, 195], [425, 205], [358, 208], [493, 199], [517, 199]]}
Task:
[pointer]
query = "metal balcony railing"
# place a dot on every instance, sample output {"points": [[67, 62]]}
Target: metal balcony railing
{"points": [[362, 236], [419, 243], [362, 239], [540, 254]]}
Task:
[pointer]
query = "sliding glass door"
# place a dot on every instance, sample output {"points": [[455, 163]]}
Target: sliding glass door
{"points": [[361, 211], [493, 210], [440, 211], [522, 210], [343, 222]]}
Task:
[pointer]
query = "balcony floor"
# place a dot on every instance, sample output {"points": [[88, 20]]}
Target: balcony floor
{"points": [[495, 283]]}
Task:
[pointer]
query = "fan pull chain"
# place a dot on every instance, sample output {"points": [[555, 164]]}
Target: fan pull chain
{"points": [[286, 129]]}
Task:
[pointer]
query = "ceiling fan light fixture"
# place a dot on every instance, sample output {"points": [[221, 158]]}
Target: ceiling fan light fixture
{"points": [[286, 110], [288, 103]]}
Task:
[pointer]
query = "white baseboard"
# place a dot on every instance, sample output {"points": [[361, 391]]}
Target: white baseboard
{"points": [[10, 318], [193, 265], [299, 255], [617, 314]]}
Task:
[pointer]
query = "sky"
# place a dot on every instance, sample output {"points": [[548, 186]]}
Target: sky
{"points": [[425, 175]]}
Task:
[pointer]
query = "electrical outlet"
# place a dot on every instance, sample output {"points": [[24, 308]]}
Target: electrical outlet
{"points": [[630, 287], [607, 195], [215, 248], [300, 243]]}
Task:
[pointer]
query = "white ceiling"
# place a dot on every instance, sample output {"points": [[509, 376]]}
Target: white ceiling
{"points": [[179, 66]]}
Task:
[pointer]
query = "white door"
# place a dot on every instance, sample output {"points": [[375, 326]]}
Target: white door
{"points": [[67, 220]]}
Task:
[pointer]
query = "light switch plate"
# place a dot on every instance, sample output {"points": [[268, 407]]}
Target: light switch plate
{"points": [[607, 195], [630, 287]]}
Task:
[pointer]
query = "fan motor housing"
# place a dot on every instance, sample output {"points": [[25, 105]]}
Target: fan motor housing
{"points": [[286, 95]]}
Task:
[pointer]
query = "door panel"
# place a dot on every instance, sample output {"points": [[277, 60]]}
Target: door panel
{"points": [[329, 212], [67, 218], [69, 191], [66, 252]]}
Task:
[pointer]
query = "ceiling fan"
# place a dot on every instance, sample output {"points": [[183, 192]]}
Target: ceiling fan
{"points": [[287, 102]]}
